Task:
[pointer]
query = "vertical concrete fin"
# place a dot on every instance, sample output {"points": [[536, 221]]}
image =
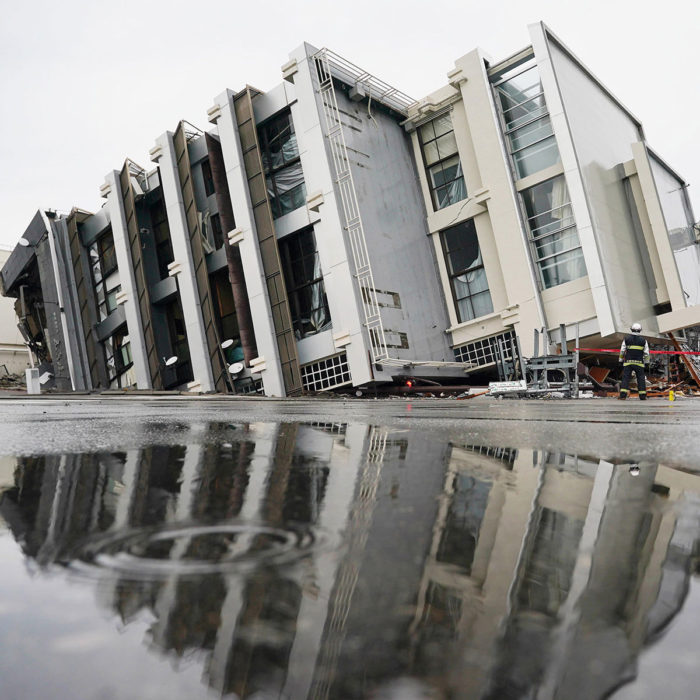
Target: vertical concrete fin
{"points": [[199, 262], [267, 242], [137, 264], [83, 285]]}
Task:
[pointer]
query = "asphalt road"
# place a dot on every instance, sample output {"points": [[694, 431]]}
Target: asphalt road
{"points": [[657, 430]]}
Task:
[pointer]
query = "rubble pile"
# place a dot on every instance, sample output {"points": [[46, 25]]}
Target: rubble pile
{"points": [[13, 381]]}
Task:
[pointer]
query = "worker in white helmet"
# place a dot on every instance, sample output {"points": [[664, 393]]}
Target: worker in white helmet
{"points": [[634, 356]]}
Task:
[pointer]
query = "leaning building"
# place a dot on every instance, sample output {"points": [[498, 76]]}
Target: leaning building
{"points": [[333, 232]]}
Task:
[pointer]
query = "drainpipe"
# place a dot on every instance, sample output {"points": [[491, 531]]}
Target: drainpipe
{"points": [[233, 256]]}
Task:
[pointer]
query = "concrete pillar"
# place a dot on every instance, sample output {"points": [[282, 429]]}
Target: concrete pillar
{"points": [[128, 297], [245, 236], [164, 155]]}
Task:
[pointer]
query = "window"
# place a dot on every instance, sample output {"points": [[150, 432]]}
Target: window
{"points": [[442, 165], [108, 257], [280, 158], [217, 233], [161, 234], [207, 177], [526, 121], [470, 287], [486, 351], [111, 298], [224, 306], [304, 282], [105, 277], [117, 349], [325, 374], [553, 234], [181, 371]]}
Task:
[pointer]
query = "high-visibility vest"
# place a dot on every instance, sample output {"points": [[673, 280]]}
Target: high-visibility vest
{"points": [[634, 350]]}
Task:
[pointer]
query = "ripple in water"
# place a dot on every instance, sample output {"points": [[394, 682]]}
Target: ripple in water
{"points": [[190, 549]]}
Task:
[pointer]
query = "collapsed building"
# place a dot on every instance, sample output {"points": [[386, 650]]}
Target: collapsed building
{"points": [[334, 232]]}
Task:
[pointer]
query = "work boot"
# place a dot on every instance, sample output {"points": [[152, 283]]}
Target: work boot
{"points": [[622, 397], [642, 397]]}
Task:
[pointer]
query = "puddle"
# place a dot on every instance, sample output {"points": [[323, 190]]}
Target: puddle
{"points": [[335, 560]]}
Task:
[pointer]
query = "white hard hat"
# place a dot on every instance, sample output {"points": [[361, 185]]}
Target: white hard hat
{"points": [[636, 328]]}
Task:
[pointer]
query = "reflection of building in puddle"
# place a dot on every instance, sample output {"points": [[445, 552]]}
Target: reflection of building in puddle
{"points": [[486, 572], [269, 474], [564, 608]]}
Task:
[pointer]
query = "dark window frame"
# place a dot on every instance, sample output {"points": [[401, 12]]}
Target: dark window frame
{"points": [[297, 284], [266, 138], [119, 367], [103, 247], [440, 162], [217, 232], [453, 274], [208, 178], [163, 247]]}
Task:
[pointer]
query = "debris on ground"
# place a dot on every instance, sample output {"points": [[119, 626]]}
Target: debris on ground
{"points": [[13, 381]]}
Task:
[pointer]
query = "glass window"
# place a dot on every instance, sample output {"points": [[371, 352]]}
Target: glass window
{"points": [[108, 257], [553, 234], [224, 306], [217, 233], [181, 371], [526, 121], [161, 234], [304, 282], [443, 167], [117, 349], [284, 177], [207, 177], [105, 277], [470, 288]]}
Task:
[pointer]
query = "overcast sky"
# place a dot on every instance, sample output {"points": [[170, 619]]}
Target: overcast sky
{"points": [[84, 84]]}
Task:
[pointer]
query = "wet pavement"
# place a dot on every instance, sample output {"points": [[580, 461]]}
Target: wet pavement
{"points": [[402, 549]]}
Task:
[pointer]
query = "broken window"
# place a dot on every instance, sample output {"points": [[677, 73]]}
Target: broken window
{"points": [[280, 158], [470, 288], [526, 120], [304, 282], [442, 165], [553, 234], [207, 177]]}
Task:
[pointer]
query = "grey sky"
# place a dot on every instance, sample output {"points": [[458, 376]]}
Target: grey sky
{"points": [[84, 84]]}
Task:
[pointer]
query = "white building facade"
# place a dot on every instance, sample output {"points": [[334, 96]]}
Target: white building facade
{"points": [[333, 232]]}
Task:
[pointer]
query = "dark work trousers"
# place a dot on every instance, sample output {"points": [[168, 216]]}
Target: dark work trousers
{"points": [[641, 380]]}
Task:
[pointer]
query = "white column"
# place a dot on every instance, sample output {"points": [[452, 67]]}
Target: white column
{"points": [[129, 297], [222, 114], [347, 313], [164, 155], [313, 611]]}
